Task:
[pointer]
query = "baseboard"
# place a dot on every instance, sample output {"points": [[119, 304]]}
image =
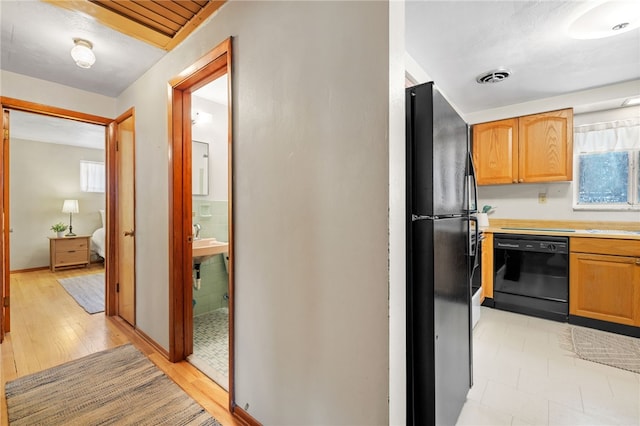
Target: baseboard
{"points": [[139, 333], [151, 342], [245, 417], [39, 268], [488, 302]]}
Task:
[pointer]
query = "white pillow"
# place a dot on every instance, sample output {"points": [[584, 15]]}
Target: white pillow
{"points": [[102, 217]]}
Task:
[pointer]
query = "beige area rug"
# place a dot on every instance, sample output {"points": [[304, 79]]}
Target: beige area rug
{"points": [[119, 386], [605, 348]]}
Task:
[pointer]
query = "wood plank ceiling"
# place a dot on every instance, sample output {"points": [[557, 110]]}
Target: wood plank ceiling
{"points": [[162, 23]]}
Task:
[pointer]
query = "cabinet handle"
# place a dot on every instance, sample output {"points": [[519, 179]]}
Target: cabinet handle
{"points": [[638, 262], [129, 233]]}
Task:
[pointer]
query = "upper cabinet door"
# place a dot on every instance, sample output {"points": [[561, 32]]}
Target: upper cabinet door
{"points": [[546, 147], [495, 151]]}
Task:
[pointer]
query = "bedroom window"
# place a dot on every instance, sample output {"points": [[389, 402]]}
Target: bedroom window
{"points": [[607, 166], [92, 176]]}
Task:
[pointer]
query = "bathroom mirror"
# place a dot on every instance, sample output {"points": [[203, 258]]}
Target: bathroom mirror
{"points": [[200, 168]]}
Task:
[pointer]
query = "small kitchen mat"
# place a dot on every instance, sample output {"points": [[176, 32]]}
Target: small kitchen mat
{"points": [[606, 348]]}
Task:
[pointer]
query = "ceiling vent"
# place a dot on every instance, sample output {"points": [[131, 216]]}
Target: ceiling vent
{"points": [[494, 76]]}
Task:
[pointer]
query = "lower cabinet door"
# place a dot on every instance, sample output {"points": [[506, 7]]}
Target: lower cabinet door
{"points": [[605, 288]]}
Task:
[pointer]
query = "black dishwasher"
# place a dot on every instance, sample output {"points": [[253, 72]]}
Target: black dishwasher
{"points": [[532, 275]]}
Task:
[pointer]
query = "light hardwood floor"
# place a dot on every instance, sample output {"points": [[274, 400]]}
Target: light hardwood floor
{"points": [[49, 328]]}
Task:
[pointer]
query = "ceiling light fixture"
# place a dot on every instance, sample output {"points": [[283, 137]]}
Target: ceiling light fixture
{"points": [[82, 53], [494, 76], [605, 19]]}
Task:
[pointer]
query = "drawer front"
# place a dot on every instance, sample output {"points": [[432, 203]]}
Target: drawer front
{"points": [[71, 257], [76, 244], [608, 246]]}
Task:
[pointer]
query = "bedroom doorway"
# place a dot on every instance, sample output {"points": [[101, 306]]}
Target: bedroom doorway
{"points": [[109, 142]]}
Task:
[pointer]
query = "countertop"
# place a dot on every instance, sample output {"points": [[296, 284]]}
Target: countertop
{"points": [[614, 230]]}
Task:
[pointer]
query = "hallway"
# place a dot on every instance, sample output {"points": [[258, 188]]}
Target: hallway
{"points": [[50, 328]]}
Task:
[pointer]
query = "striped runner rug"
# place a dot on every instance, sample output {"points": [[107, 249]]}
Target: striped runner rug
{"points": [[119, 386]]}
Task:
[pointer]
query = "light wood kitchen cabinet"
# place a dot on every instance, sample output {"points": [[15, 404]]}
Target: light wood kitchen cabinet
{"points": [[487, 267], [604, 281], [495, 151], [532, 148]]}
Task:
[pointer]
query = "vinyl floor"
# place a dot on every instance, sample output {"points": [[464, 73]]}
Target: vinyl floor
{"points": [[525, 375]]}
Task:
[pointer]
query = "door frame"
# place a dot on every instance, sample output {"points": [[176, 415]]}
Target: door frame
{"points": [[4, 255], [110, 194], [206, 69], [111, 296]]}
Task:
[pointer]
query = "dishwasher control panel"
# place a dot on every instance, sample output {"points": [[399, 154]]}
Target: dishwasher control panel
{"points": [[546, 245]]}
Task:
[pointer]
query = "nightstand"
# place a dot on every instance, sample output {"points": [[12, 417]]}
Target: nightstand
{"points": [[69, 251]]}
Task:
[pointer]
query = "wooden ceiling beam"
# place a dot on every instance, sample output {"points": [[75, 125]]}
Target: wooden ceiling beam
{"points": [[139, 12], [198, 18], [115, 21], [140, 31]]}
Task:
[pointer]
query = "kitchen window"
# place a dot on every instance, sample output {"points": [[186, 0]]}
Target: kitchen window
{"points": [[607, 166]]}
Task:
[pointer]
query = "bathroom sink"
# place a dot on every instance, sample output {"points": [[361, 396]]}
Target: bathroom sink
{"points": [[204, 248]]}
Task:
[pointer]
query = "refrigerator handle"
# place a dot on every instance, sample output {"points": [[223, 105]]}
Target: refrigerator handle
{"points": [[474, 252], [473, 184]]}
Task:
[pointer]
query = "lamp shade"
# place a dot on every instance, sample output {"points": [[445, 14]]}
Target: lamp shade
{"points": [[70, 206]]}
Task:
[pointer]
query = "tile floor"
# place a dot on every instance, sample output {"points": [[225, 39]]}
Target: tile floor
{"points": [[524, 375], [211, 345]]}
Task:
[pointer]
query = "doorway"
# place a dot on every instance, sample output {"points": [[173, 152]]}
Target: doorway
{"points": [[210, 213], [10, 104], [190, 206]]}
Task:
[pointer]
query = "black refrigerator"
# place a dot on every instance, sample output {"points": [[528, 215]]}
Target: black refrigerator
{"points": [[440, 185]]}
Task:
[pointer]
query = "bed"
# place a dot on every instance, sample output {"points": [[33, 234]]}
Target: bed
{"points": [[98, 238]]}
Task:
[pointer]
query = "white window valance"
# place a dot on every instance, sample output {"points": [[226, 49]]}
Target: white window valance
{"points": [[620, 135]]}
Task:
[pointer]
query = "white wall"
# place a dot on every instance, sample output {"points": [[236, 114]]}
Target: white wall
{"points": [[310, 108], [31, 89], [397, 218], [42, 176], [520, 201], [597, 99]]}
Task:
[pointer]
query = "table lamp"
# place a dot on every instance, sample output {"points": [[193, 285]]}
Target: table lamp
{"points": [[71, 207]]}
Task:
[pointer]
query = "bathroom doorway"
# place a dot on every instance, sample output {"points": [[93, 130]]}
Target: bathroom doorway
{"points": [[201, 289], [210, 213]]}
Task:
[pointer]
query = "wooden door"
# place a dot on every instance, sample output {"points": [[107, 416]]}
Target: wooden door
{"points": [[125, 167], [495, 151], [4, 219], [605, 288], [546, 146]]}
